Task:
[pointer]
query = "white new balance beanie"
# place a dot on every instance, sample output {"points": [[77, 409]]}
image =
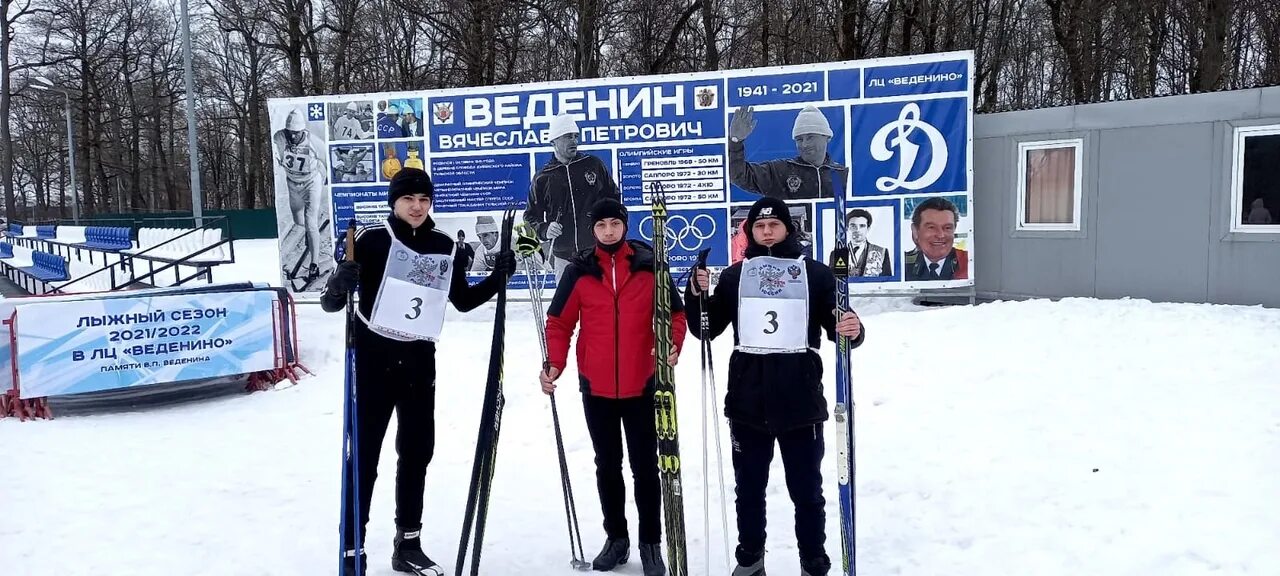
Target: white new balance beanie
{"points": [[811, 121], [561, 125]]}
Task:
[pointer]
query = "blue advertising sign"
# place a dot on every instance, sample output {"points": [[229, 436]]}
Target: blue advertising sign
{"points": [[689, 174], [606, 112], [367, 204], [911, 147], [777, 88], [888, 133], [70, 347], [489, 182], [924, 78], [689, 231]]}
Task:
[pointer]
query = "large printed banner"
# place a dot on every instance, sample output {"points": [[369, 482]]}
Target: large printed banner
{"points": [[893, 135], [69, 347]]}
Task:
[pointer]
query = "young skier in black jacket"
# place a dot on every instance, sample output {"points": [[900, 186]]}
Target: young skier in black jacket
{"points": [[407, 270], [779, 302]]}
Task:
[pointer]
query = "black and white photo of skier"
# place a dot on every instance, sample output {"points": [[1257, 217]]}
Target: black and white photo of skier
{"points": [[351, 120], [303, 207]]}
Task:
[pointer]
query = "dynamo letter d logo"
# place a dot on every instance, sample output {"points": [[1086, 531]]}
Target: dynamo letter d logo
{"points": [[895, 136]]}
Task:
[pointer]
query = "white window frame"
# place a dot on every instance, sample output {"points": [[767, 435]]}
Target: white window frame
{"points": [[1237, 179], [1023, 148]]}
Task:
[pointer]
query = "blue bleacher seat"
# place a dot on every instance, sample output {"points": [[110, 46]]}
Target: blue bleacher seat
{"points": [[47, 267], [15, 229], [107, 238], [45, 231], [6, 250]]}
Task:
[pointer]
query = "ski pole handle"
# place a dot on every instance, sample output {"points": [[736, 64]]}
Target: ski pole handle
{"points": [[350, 255], [702, 259]]}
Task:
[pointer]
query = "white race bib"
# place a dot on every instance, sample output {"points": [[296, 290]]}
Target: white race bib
{"points": [[414, 293], [773, 306]]}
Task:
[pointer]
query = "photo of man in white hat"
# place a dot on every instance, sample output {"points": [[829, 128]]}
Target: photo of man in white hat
{"points": [[487, 230], [564, 190], [350, 125], [811, 174]]}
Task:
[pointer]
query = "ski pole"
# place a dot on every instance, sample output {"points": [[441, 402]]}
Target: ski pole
{"points": [[350, 424], [527, 246], [709, 390]]}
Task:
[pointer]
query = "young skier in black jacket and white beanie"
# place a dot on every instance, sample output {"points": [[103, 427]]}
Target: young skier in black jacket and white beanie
{"points": [[407, 271], [779, 303]]}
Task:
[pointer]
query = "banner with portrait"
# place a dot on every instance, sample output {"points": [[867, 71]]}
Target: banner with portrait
{"points": [[893, 135]]}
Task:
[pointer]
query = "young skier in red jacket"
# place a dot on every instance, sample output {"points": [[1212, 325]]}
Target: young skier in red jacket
{"points": [[609, 289]]}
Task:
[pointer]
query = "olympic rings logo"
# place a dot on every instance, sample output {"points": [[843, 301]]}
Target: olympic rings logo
{"points": [[681, 229]]}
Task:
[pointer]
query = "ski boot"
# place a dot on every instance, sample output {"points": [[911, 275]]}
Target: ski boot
{"points": [[408, 556], [749, 563], [651, 560], [756, 569], [349, 564], [816, 566], [615, 553]]}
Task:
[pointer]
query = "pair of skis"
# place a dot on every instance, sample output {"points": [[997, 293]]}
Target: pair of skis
{"points": [[664, 398]]}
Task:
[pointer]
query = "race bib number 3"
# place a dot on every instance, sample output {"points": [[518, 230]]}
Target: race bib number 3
{"points": [[410, 309], [773, 324]]}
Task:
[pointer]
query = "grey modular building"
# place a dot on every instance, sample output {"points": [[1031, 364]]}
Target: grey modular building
{"points": [[1173, 199]]}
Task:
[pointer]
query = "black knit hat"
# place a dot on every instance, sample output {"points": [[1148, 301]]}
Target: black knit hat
{"points": [[770, 207], [409, 181], [607, 208]]}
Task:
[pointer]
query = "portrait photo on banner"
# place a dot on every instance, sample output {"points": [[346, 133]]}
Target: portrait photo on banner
{"points": [[776, 153], [935, 234], [872, 236], [351, 120], [477, 236], [801, 216], [303, 204], [400, 118]]}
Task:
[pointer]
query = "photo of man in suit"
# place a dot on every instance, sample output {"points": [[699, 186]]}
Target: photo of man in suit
{"points": [[866, 259], [933, 230]]}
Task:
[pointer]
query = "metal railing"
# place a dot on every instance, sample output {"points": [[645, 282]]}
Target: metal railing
{"points": [[126, 263]]}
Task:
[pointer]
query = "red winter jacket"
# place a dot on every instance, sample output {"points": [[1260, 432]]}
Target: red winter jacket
{"points": [[615, 347]]}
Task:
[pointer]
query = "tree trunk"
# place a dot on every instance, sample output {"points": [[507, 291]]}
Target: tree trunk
{"points": [[1209, 74], [764, 32], [6, 137], [711, 60]]}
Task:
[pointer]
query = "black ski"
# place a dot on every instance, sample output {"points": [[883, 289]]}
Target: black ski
{"points": [[490, 424], [665, 394]]}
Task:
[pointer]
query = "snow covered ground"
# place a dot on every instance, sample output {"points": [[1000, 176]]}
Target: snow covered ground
{"points": [[1079, 437]]}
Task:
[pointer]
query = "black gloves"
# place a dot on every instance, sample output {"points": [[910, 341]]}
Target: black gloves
{"points": [[345, 277], [505, 263]]}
